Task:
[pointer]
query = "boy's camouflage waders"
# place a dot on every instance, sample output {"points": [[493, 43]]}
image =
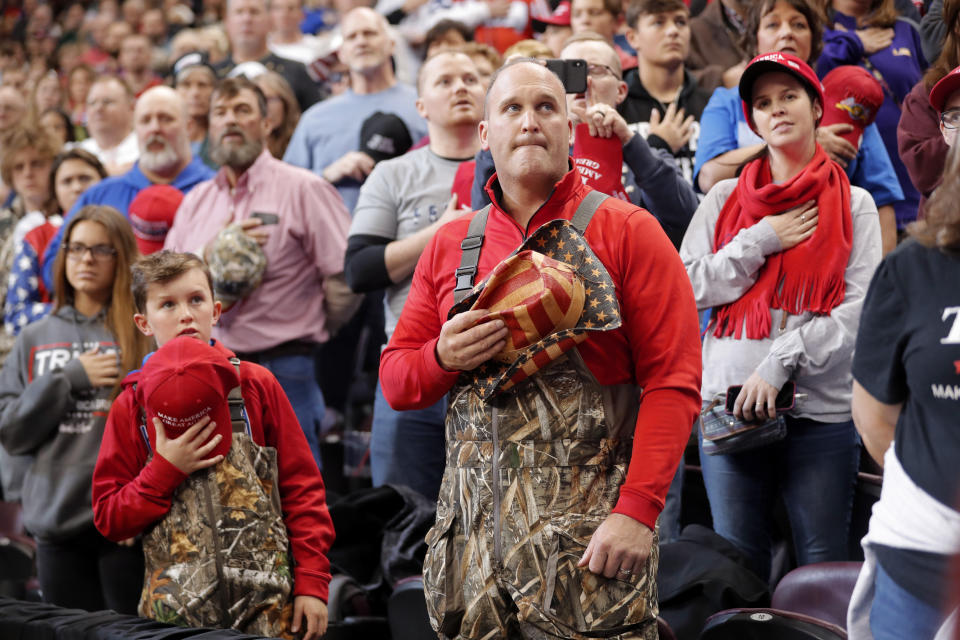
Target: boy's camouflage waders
{"points": [[220, 557], [530, 475]]}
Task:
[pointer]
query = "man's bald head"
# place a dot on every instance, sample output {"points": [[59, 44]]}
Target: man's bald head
{"points": [[549, 76], [367, 45], [160, 119], [160, 95], [364, 13], [526, 127]]}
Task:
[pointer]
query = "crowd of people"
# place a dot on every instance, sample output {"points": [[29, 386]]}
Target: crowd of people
{"points": [[563, 238]]}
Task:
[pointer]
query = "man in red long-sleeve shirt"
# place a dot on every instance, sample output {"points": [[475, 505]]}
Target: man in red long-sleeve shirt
{"points": [[552, 488]]}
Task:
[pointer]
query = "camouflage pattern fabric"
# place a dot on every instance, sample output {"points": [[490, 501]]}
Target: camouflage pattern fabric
{"points": [[530, 475], [237, 264], [220, 557]]}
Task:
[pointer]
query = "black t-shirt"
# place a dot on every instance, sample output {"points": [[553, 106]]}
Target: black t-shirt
{"points": [[908, 350]]}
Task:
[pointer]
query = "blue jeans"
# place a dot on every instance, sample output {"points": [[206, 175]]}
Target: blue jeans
{"points": [[408, 447], [896, 613], [297, 377], [815, 470]]}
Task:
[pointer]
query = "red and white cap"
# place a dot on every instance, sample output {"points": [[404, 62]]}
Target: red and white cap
{"points": [[186, 380], [775, 61], [942, 91]]}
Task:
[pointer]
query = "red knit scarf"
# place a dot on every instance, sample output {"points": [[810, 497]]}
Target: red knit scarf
{"points": [[807, 277]]}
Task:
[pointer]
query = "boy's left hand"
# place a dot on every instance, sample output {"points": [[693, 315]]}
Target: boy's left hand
{"points": [[314, 611]]}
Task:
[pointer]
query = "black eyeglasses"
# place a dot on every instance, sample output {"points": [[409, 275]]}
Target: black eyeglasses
{"points": [[600, 70], [950, 118], [102, 252]]}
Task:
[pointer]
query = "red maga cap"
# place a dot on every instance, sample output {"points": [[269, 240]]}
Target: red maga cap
{"points": [[151, 215], [186, 380], [852, 96], [775, 61]]}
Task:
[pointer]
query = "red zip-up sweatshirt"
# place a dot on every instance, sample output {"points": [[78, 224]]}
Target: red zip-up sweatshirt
{"points": [[130, 494], [657, 348]]}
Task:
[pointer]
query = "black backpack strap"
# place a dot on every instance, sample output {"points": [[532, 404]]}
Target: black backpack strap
{"points": [[588, 206], [470, 258], [238, 412]]}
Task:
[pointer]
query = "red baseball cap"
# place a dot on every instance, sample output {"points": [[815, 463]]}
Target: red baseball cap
{"points": [[775, 61], [560, 16], [944, 89], [852, 96], [186, 380], [151, 215]]}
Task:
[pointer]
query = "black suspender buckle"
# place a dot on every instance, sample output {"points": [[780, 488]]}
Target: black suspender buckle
{"points": [[465, 278]]}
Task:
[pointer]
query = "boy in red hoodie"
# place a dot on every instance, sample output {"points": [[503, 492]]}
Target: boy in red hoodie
{"points": [[220, 513]]}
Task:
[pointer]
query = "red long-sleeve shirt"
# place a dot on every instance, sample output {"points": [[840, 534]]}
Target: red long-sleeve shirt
{"points": [[130, 494], [657, 348]]}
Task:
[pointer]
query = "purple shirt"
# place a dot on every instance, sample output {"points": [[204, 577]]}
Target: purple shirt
{"points": [[901, 65], [305, 246]]}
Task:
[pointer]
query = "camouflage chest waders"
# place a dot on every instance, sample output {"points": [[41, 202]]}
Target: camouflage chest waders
{"points": [[530, 475], [220, 557]]}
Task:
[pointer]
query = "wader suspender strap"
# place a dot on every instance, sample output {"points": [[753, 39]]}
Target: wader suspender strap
{"points": [[473, 242], [470, 258], [238, 413]]}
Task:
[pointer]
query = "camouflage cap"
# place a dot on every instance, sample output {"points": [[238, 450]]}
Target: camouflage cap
{"points": [[237, 264]]}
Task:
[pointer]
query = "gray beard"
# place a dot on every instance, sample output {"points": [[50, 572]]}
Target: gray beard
{"points": [[160, 161], [237, 157]]}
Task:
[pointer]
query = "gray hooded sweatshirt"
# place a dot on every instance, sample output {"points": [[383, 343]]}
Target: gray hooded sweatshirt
{"points": [[52, 420]]}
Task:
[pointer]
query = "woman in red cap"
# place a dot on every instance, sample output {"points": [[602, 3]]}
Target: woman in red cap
{"points": [[727, 141], [55, 392], [783, 256]]}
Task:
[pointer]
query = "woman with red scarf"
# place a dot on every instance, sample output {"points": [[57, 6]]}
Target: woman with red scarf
{"points": [[783, 256]]}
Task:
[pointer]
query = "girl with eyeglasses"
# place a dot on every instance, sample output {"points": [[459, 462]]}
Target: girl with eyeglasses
{"points": [[782, 256], [55, 393], [923, 148]]}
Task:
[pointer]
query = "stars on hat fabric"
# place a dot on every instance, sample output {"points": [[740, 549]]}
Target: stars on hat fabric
{"points": [[601, 310]]}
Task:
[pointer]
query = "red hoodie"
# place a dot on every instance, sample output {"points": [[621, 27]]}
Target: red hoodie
{"points": [[130, 494]]}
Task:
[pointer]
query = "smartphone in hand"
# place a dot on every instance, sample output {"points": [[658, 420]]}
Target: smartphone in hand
{"points": [[786, 398]]}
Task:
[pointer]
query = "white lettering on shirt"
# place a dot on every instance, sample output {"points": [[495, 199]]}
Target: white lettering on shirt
{"points": [[954, 336], [946, 391]]}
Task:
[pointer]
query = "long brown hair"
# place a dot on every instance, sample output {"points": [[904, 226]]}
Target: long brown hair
{"points": [[940, 226], [949, 58], [882, 13], [120, 308]]}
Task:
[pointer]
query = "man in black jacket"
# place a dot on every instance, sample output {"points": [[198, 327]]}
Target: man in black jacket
{"points": [[663, 102]]}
